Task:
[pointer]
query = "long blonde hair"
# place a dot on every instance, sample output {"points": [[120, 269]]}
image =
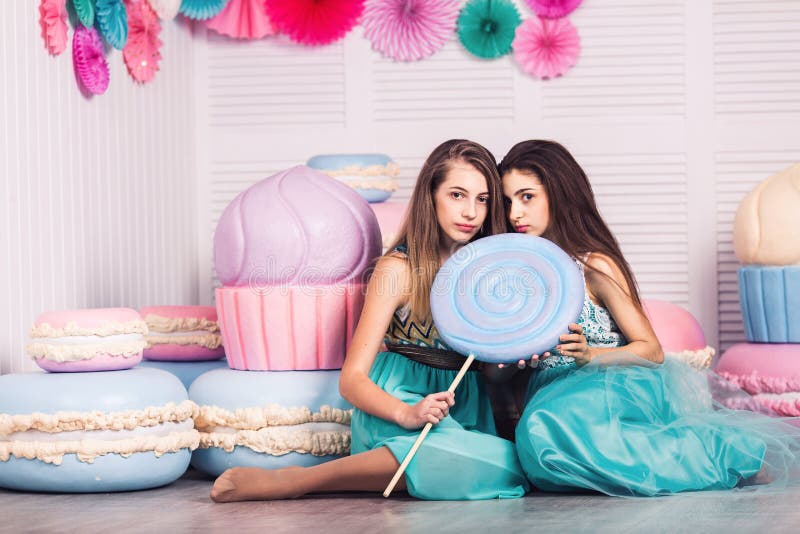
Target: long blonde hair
{"points": [[420, 232]]}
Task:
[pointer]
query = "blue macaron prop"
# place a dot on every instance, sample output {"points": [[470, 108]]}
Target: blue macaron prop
{"points": [[94, 432], [269, 419], [501, 299]]}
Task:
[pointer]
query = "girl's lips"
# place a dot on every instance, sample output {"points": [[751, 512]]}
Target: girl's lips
{"points": [[521, 228], [465, 227]]}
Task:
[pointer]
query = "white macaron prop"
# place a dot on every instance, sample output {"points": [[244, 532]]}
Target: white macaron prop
{"points": [[501, 299]]}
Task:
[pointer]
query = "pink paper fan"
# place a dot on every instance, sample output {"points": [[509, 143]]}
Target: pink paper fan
{"points": [[546, 48], [53, 18], [553, 9], [314, 22], [243, 19], [408, 30], [87, 57], [142, 51]]}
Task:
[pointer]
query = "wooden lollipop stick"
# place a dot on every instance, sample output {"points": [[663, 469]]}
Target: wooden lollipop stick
{"points": [[413, 451]]}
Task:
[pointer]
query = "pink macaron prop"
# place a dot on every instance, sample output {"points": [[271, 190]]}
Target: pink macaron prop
{"points": [[103, 339], [501, 299], [182, 333]]}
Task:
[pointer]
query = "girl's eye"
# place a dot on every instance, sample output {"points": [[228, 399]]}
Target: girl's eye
{"points": [[527, 196], [457, 195], [483, 200]]}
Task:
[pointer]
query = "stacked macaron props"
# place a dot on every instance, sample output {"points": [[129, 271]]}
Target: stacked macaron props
{"points": [[182, 333], [94, 432], [183, 340], [767, 241], [501, 299], [102, 339], [374, 176], [293, 252], [269, 420], [679, 333]]}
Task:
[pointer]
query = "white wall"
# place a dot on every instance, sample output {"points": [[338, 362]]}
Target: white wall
{"points": [[676, 108], [97, 197]]}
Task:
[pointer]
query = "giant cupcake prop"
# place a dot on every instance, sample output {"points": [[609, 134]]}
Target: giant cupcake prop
{"points": [[293, 253], [767, 241]]}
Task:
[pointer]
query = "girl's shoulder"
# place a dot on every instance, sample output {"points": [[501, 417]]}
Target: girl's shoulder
{"points": [[599, 262]]}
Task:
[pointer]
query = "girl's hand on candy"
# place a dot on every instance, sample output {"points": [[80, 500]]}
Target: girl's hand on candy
{"points": [[575, 345], [431, 409]]}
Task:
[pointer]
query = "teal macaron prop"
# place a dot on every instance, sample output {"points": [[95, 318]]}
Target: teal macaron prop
{"points": [[501, 299]]}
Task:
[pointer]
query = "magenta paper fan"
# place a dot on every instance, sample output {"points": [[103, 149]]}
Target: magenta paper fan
{"points": [[546, 48], [142, 51], [87, 57], [53, 18], [314, 22], [553, 9], [243, 19], [409, 30]]}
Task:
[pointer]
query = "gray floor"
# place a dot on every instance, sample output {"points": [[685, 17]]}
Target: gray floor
{"points": [[184, 507]]}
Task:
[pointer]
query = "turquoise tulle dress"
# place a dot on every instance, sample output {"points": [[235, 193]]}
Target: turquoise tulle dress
{"points": [[624, 426], [462, 458]]}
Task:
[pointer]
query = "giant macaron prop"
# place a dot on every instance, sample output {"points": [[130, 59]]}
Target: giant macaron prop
{"points": [[501, 299], [94, 432], [293, 253], [102, 339]]}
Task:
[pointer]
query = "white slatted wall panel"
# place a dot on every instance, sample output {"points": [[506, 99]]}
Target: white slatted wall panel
{"points": [[451, 85], [632, 62], [646, 210], [757, 106], [263, 83], [97, 204], [756, 56]]}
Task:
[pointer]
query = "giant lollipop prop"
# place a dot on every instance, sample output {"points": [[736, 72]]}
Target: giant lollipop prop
{"points": [[501, 299]]}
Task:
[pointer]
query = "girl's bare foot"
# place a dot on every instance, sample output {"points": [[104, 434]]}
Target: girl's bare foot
{"points": [[253, 483]]}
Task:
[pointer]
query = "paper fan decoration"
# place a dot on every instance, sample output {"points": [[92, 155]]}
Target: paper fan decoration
{"points": [[141, 54], [546, 48], [486, 27], [243, 19], [85, 11], [408, 30], [165, 9], [112, 21], [553, 9], [314, 22], [53, 18], [87, 57], [202, 9]]}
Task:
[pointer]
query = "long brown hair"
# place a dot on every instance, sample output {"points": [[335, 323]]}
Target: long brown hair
{"points": [[575, 223], [420, 231]]}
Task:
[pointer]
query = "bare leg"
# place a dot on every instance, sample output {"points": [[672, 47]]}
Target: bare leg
{"points": [[367, 471]]}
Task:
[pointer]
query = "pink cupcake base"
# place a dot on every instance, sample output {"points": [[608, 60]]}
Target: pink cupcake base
{"points": [[99, 362], [288, 328], [182, 353]]}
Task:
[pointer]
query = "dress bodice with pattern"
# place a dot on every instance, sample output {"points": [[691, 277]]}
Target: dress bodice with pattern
{"points": [[598, 327], [404, 330]]}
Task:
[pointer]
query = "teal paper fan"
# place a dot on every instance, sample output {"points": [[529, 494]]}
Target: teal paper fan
{"points": [[201, 9], [85, 11], [112, 21], [486, 27]]}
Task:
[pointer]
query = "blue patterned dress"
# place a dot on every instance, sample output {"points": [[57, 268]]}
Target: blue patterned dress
{"points": [[461, 458], [634, 428]]}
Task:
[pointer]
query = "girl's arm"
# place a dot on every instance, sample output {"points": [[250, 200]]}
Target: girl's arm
{"points": [[612, 292], [386, 292]]}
